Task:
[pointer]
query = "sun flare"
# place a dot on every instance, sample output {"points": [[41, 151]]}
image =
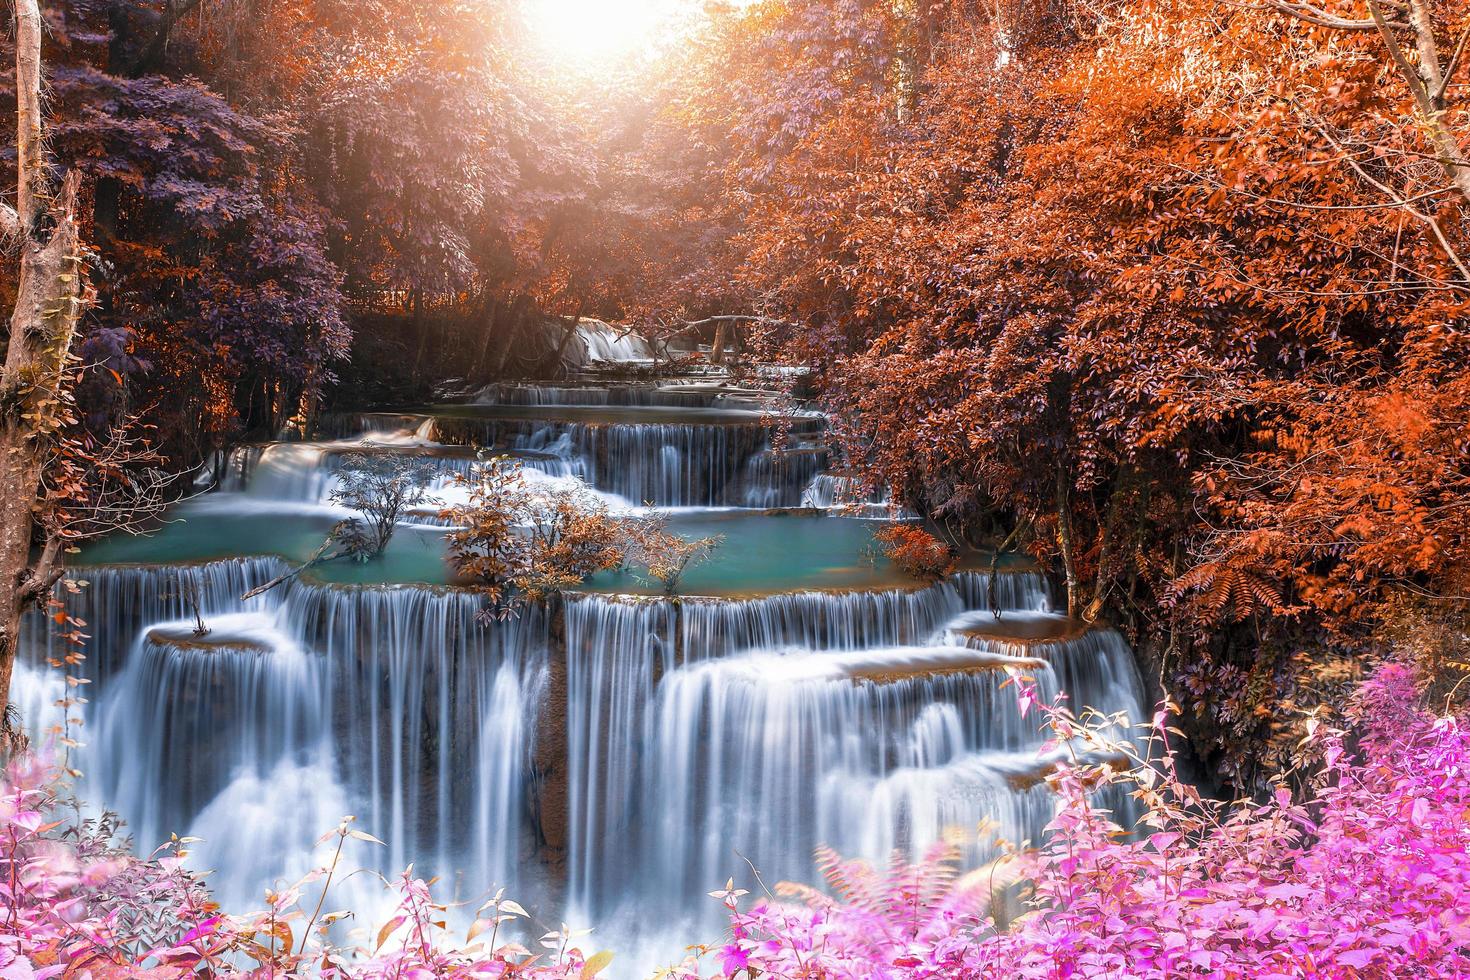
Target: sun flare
{"points": [[597, 29]]}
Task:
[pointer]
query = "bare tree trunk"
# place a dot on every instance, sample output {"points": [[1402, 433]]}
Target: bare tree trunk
{"points": [[717, 350], [1429, 84], [487, 333], [516, 311], [416, 317], [1064, 540], [1122, 486], [569, 331], [1428, 74], [992, 597], [48, 305]]}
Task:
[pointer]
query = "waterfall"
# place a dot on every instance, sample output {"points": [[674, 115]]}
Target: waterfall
{"points": [[846, 493], [595, 395], [845, 620], [38, 694], [712, 733], [431, 712], [262, 828], [119, 602], [832, 490], [395, 704], [675, 464], [1094, 666], [733, 742], [606, 343], [188, 714], [606, 758], [308, 472], [615, 652]]}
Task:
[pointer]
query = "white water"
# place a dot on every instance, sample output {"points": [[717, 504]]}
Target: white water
{"points": [[846, 494], [605, 343], [794, 721], [665, 464]]}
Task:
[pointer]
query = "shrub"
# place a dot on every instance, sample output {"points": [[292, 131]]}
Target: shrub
{"points": [[916, 552], [524, 542], [667, 556], [1368, 877], [78, 905]]}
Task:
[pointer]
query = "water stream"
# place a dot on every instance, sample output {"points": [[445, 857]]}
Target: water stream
{"points": [[608, 763]]}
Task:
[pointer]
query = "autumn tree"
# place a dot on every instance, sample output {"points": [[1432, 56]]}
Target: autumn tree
{"points": [[521, 542], [668, 556], [1169, 294]]}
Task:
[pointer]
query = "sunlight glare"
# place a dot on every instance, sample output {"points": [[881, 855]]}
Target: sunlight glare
{"points": [[596, 28]]}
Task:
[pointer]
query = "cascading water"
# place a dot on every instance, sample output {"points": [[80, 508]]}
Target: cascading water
{"points": [[756, 730], [596, 395], [188, 714], [846, 494], [394, 704], [720, 459], [432, 715], [608, 759], [605, 343]]}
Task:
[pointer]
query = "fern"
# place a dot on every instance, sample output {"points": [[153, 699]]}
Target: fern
{"points": [[1218, 592]]}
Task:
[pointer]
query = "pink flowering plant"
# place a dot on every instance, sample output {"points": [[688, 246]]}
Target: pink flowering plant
{"points": [[1368, 877], [78, 904]]}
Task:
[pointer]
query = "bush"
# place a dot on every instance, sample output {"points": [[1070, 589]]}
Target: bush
{"points": [[667, 556], [77, 905], [916, 552], [1368, 877], [520, 542]]}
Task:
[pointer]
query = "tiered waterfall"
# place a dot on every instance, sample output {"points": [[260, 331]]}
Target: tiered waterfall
{"points": [[609, 758]]}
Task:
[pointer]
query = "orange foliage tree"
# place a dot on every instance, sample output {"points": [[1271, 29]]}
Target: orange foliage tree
{"points": [[1178, 287]]}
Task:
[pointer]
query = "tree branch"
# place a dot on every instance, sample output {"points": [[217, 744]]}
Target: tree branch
{"points": [[1401, 60], [46, 571], [1427, 219], [1319, 17], [1451, 65], [687, 325]]}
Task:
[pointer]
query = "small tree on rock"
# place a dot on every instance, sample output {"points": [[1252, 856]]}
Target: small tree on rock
{"points": [[916, 552], [520, 542], [666, 555]]}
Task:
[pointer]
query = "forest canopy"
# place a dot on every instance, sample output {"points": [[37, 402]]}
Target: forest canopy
{"points": [[1171, 295]]}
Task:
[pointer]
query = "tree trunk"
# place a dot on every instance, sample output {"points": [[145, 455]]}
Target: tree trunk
{"points": [[1429, 85], [1103, 580], [568, 333], [992, 597], [1064, 540], [48, 305], [487, 329], [416, 318], [516, 311], [717, 349]]}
